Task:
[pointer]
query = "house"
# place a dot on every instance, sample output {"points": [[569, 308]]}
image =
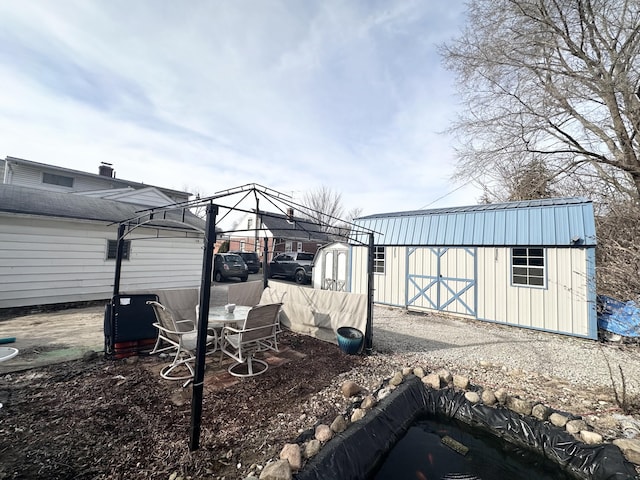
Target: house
{"points": [[17, 171], [528, 264], [58, 244], [284, 234]]}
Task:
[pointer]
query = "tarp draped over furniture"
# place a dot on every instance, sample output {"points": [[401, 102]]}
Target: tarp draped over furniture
{"points": [[317, 313]]}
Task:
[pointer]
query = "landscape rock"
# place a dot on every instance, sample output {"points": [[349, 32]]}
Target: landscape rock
{"points": [[311, 448], [541, 412], [558, 419], [384, 392], [292, 454], [339, 424], [460, 382], [368, 402], [358, 414], [278, 470], [501, 395], [488, 397], [445, 375], [419, 372], [323, 433], [432, 380], [576, 426], [472, 397], [519, 405], [590, 438], [396, 379], [350, 388], [407, 371], [630, 447]]}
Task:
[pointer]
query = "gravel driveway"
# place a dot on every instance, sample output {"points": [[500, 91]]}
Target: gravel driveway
{"points": [[469, 343]]}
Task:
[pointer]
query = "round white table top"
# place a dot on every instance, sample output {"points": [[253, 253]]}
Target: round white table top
{"points": [[219, 314], [7, 352]]}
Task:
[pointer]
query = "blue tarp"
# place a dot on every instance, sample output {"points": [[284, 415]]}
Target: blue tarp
{"points": [[622, 318]]}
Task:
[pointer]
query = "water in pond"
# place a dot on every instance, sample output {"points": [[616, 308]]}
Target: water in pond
{"points": [[422, 455]]}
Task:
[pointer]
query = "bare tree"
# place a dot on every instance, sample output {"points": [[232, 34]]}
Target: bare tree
{"points": [[553, 83], [324, 207]]}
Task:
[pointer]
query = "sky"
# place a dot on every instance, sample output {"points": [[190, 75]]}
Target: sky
{"points": [[203, 96]]}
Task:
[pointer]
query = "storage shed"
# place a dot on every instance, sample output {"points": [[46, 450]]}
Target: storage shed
{"points": [[527, 264]]}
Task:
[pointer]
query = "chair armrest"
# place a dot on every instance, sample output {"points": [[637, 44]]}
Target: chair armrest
{"points": [[163, 329]]}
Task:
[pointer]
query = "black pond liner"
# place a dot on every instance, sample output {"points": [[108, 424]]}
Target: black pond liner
{"points": [[357, 453]]}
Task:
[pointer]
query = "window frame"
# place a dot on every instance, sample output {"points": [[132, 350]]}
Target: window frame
{"points": [[57, 180], [379, 259], [530, 266], [112, 250]]}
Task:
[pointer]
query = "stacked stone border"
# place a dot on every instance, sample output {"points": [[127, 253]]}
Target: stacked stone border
{"points": [[296, 454]]}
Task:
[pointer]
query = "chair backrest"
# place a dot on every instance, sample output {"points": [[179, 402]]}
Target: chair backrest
{"points": [[165, 319], [261, 322]]}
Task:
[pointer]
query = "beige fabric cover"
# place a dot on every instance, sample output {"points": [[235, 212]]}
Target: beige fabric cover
{"points": [[318, 313], [247, 293]]}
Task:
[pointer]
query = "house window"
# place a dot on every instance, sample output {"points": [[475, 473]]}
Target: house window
{"points": [[527, 266], [378, 259], [112, 249], [249, 223], [242, 245], [288, 246], [53, 179], [299, 246]]}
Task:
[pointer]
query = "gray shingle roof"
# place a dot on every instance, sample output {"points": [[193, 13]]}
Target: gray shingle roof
{"points": [[33, 201], [300, 229]]}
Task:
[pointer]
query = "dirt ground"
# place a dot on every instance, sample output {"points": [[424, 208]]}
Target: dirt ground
{"points": [[111, 419]]}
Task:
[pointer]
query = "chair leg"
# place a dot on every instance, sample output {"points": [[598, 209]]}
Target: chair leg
{"points": [[178, 361], [250, 368]]}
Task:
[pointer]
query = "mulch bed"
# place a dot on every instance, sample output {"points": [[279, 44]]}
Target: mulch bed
{"points": [[111, 419]]}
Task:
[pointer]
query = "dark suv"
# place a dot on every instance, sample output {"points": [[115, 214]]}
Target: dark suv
{"points": [[251, 259], [293, 265], [228, 265]]}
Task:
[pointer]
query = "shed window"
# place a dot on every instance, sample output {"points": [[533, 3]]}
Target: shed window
{"points": [[53, 179], [112, 249], [378, 259], [527, 266]]}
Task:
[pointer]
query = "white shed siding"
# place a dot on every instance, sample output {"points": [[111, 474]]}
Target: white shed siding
{"points": [[390, 286], [561, 306], [359, 258], [55, 261]]}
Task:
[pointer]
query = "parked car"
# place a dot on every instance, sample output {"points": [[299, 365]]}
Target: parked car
{"points": [[229, 265], [251, 259], [292, 265]]}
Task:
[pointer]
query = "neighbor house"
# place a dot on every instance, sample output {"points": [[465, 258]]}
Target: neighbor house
{"points": [[528, 264], [58, 231], [284, 233]]}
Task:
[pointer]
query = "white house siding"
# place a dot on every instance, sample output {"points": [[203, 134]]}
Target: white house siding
{"points": [[561, 306], [46, 261], [31, 176]]}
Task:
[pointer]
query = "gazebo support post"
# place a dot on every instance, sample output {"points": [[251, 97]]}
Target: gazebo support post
{"points": [[203, 323], [265, 264], [368, 335]]}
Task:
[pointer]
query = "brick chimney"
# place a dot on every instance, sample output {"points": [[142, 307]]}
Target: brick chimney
{"points": [[105, 169]]}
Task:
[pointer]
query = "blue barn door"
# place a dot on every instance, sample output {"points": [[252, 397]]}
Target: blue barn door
{"points": [[442, 278]]}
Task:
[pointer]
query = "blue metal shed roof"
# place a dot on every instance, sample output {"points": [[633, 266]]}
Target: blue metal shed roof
{"points": [[542, 222]]}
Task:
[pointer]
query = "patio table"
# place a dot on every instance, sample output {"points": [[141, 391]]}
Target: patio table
{"points": [[219, 318], [7, 353]]}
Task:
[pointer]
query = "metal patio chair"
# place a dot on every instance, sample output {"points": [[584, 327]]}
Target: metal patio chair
{"points": [[259, 333], [183, 342]]}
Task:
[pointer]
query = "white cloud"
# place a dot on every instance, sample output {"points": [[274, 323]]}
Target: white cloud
{"points": [[211, 95]]}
